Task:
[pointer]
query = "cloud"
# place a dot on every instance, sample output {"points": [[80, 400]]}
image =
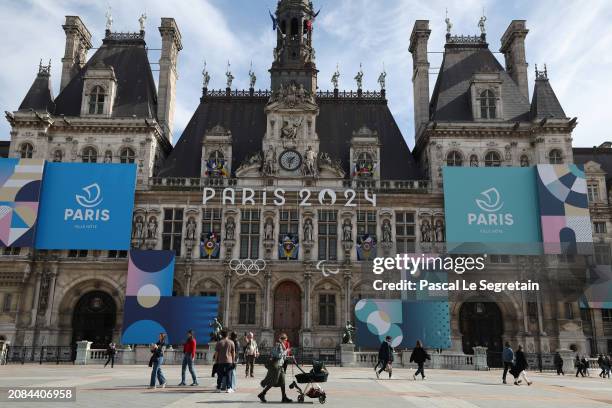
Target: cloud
{"points": [[570, 37]]}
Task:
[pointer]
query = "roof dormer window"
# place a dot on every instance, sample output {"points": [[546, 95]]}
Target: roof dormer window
{"points": [[96, 101], [488, 108]]}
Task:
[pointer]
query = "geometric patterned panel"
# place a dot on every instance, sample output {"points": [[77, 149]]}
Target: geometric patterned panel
{"points": [[564, 208], [20, 182]]}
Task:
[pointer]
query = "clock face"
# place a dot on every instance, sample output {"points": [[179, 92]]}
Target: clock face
{"points": [[290, 160]]}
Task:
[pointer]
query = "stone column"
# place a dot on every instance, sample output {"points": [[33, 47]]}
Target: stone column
{"points": [[307, 300], [36, 296], [267, 335], [187, 279], [226, 313], [53, 273], [347, 301]]}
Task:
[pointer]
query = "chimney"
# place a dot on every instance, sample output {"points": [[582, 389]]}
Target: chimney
{"points": [[166, 93], [420, 73], [513, 48], [78, 42]]}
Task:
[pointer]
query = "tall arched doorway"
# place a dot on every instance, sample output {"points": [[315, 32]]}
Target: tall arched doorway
{"points": [[94, 319], [481, 324], [288, 311]]}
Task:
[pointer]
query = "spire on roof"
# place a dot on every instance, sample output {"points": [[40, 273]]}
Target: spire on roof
{"points": [[541, 74], [544, 103], [449, 25], [44, 69], [40, 96]]}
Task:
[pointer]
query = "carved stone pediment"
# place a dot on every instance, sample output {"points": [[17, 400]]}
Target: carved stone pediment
{"points": [[251, 166], [292, 97], [330, 167]]}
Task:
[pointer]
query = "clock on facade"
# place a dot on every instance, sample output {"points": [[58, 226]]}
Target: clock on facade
{"points": [[290, 160]]}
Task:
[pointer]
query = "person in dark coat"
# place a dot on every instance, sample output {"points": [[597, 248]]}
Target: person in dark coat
{"points": [[558, 361], [602, 367], [579, 366], [607, 365], [111, 350], [275, 376], [508, 360], [418, 356], [385, 357], [585, 366], [520, 367]]}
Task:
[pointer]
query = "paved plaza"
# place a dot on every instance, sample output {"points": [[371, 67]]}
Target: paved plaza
{"points": [[347, 387]]}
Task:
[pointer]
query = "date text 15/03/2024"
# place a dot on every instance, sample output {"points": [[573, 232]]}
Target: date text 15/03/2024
{"points": [[456, 285], [305, 197]]}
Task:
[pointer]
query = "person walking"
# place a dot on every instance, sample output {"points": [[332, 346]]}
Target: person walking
{"points": [[233, 380], [251, 352], [157, 359], [385, 357], [275, 377], [558, 361], [600, 363], [607, 363], [418, 356], [520, 367], [579, 367], [507, 359], [111, 350], [224, 357], [585, 366], [288, 354], [189, 353]]}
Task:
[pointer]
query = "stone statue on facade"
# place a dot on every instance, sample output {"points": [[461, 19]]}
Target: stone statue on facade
{"points": [[310, 162], [109, 19], [290, 128], [425, 231], [141, 20], [108, 157], [481, 25], [439, 231], [269, 230], [205, 76], [347, 231], [524, 161], [190, 229], [137, 228], [349, 330], [386, 231], [252, 78], [269, 164], [230, 228], [449, 25], [229, 76], [473, 161], [335, 79], [359, 78], [308, 230], [382, 79], [152, 228], [216, 326]]}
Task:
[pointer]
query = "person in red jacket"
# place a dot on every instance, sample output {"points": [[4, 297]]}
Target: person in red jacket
{"points": [[288, 349], [189, 350]]}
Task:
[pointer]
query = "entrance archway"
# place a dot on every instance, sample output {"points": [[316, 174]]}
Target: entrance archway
{"points": [[288, 311], [94, 319], [481, 324]]}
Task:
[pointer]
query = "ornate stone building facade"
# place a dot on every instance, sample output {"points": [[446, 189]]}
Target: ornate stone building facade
{"points": [[298, 185]]}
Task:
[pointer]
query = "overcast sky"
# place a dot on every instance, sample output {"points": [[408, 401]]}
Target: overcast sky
{"points": [[573, 38]]}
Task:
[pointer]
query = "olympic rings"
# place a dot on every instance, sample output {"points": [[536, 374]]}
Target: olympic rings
{"points": [[244, 266]]}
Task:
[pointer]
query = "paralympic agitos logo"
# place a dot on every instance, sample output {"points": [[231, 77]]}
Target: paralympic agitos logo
{"points": [[491, 204], [89, 202]]}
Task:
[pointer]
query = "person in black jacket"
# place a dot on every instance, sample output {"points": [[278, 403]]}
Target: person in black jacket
{"points": [[385, 357], [418, 356], [111, 350], [157, 359], [559, 364], [520, 367]]}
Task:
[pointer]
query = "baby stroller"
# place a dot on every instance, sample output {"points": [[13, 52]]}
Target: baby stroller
{"points": [[318, 374]]}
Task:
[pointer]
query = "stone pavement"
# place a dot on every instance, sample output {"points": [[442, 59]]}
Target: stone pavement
{"points": [[347, 387]]}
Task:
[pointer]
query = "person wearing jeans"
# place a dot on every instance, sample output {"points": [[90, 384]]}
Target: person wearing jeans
{"points": [[225, 357], [251, 352], [157, 359], [508, 360], [385, 357], [419, 355], [189, 349]]}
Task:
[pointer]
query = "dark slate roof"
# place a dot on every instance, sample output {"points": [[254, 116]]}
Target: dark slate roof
{"points": [[451, 100], [40, 96], [337, 120], [136, 91], [544, 103], [4, 148]]}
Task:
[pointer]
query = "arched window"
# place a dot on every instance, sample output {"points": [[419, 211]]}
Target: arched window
{"points": [[127, 155], [58, 155], [454, 159], [90, 155], [524, 161], [488, 105], [474, 161], [96, 101], [216, 155], [555, 156], [492, 159], [26, 150]]}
